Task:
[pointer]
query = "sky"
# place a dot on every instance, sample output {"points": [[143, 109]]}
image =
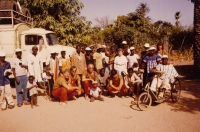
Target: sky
{"points": [[159, 9]]}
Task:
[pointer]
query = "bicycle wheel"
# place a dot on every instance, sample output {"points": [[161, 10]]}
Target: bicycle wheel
{"points": [[176, 90], [144, 101]]}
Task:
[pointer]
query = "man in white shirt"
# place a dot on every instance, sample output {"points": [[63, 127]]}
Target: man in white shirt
{"points": [[120, 62], [132, 58], [34, 65], [19, 68]]}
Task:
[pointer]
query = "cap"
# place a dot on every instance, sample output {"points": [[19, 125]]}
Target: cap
{"points": [[132, 48], [152, 48], [164, 56], [104, 46], [146, 45], [2, 54], [18, 50], [94, 82], [124, 42], [99, 46], [88, 48]]}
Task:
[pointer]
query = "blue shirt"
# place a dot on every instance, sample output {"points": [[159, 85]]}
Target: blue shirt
{"points": [[151, 62], [4, 80]]}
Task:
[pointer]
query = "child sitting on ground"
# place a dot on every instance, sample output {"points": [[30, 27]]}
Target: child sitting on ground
{"points": [[103, 81], [95, 92], [32, 87]]}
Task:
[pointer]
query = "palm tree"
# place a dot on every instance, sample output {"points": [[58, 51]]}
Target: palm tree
{"points": [[177, 16]]}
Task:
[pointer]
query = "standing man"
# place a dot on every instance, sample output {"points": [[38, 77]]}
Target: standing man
{"points": [[89, 56], [146, 50], [132, 58], [6, 96], [78, 60], [98, 60], [112, 56], [64, 62], [125, 48], [35, 66], [19, 68]]}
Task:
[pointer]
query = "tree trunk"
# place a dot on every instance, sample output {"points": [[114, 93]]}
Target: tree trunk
{"points": [[197, 38]]}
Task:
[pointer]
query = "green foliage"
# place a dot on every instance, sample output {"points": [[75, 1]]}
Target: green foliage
{"points": [[62, 17]]}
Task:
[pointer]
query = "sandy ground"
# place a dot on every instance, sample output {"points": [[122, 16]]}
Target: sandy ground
{"points": [[114, 114]]}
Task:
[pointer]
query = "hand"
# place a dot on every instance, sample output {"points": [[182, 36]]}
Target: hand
{"points": [[17, 81]]}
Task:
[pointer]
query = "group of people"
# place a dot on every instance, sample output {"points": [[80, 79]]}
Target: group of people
{"points": [[100, 71]]}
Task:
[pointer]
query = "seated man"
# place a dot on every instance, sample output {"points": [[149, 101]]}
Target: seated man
{"points": [[132, 81], [165, 79], [102, 80], [87, 78], [62, 88], [75, 80], [116, 84]]}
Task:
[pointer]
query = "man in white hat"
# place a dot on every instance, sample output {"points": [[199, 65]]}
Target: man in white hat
{"points": [[35, 65], [6, 96], [126, 50], [166, 78], [19, 68], [88, 56], [146, 50], [151, 60], [98, 60], [132, 58]]}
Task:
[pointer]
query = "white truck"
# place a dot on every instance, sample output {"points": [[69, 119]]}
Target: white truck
{"points": [[16, 32]]}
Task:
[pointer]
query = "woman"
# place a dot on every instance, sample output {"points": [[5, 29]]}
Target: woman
{"points": [[75, 80], [116, 84], [62, 88], [160, 49]]}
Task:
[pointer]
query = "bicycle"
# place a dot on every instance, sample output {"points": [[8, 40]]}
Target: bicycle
{"points": [[146, 98]]}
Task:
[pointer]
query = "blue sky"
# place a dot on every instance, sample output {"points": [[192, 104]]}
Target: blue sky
{"points": [[159, 9]]}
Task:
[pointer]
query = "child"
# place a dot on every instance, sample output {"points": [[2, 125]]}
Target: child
{"points": [[95, 92], [103, 80], [32, 87]]}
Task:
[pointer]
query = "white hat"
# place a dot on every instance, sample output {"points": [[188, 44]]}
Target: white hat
{"points": [[53, 51], [99, 46], [94, 82], [152, 48], [164, 56], [2, 54], [88, 48], [104, 46], [18, 50], [132, 48], [124, 42], [146, 45]]}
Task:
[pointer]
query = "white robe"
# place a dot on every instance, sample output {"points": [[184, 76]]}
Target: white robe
{"points": [[35, 66]]}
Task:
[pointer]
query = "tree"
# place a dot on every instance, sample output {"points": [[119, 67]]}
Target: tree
{"points": [[177, 16], [103, 22], [61, 16]]}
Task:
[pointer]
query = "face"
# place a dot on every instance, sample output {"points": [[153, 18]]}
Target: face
{"points": [[2, 58], [90, 68], [95, 85], [132, 51], [73, 72], [66, 74], [88, 52], [165, 61], [63, 53], [120, 53], [102, 72], [113, 50], [78, 49], [34, 50], [31, 79], [160, 47], [151, 52], [18, 54], [130, 73], [53, 55]]}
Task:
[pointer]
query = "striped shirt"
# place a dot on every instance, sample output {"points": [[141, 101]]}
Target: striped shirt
{"points": [[151, 62], [170, 72]]}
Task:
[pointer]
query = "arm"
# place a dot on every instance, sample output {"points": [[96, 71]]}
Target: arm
{"points": [[137, 79], [14, 73], [29, 88], [121, 83], [126, 82], [86, 79]]}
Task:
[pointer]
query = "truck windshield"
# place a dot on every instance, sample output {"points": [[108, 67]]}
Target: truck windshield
{"points": [[51, 39]]}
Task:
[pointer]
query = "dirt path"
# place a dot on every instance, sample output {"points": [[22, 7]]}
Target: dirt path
{"points": [[115, 114]]}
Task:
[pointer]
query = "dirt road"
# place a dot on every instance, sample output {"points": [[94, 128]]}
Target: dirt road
{"points": [[114, 114]]}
